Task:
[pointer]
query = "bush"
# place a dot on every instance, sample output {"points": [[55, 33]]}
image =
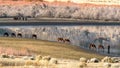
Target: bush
{"points": [[4, 55]]}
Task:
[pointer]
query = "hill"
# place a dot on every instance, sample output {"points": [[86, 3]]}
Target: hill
{"points": [[21, 46], [60, 10]]}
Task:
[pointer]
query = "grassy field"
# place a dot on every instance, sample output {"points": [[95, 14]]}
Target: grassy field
{"points": [[54, 49]]}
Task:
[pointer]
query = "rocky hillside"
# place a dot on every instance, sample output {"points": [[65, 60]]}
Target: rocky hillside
{"points": [[61, 10]]}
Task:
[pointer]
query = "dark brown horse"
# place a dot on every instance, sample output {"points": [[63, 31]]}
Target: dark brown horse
{"points": [[20, 18], [92, 46], [60, 39], [67, 40], [101, 47]]}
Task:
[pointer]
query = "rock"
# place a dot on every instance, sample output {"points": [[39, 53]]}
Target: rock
{"points": [[116, 65], [82, 59], [25, 58], [29, 58], [46, 58], [53, 61], [11, 56], [38, 58], [32, 58], [115, 59], [106, 65], [94, 60], [107, 59]]}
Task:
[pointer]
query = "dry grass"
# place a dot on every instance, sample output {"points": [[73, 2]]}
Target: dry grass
{"points": [[54, 49], [11, 62]]}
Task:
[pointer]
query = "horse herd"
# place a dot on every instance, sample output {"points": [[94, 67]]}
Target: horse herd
{"points": [[19, 35], [94, 47], [91, 46], [65, 40], [24, 18], [60, 39]]}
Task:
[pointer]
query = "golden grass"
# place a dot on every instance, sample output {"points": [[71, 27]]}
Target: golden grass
{"points": [[11, 62], [54, 49]]}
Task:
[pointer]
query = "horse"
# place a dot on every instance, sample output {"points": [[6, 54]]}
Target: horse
{"points": [[92, 46], [101, 47], [13, 35], [6, 34], [19, 35], [20, 18], [60, 39], [34, 36], [67, 40], [15, 18]]}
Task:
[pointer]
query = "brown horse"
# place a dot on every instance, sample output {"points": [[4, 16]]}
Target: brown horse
{"points": [[101, 47], [67, 40], [20, 18], [60, 39], [92, 46]]}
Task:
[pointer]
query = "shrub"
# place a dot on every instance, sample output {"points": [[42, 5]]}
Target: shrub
{"points": [[4, 55]]}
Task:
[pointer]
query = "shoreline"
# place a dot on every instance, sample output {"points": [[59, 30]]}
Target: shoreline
{"points": [[56, 22]]}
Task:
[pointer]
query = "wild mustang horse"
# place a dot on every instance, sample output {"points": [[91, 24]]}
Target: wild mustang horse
{"points": [[67, 40], [92, 46], [101, 48], [60, 39]]}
